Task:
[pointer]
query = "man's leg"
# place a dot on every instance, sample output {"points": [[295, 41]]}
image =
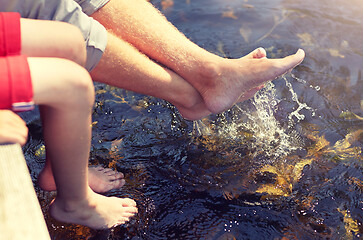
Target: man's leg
{"points": [[42, 38], [123, 66], [64, 90], [219, 81]]}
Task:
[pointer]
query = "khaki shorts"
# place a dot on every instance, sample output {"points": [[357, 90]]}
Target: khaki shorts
{"points": [[91, 6], [71, 11]]}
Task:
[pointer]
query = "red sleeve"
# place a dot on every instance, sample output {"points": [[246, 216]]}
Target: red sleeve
{"points": [[10, 38]]}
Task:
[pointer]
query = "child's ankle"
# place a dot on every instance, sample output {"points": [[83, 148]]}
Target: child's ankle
{"points": [[71, 205]]}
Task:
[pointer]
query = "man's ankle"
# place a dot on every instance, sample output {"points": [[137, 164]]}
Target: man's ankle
{"points": [[207, 74]]}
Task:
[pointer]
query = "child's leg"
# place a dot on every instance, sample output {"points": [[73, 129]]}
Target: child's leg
{"points": [[100, 179], [41, 38], [65, 92]]}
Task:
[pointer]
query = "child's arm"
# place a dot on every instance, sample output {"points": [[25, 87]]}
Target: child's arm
{"points": [[12, 128]]}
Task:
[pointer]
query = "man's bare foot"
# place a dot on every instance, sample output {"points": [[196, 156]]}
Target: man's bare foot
{"points": [[200, 110], [95, 211], [196, 112], [224, 82], [100, 179]]}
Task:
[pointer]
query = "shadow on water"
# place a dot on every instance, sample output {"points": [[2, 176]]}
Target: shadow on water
{"points": [[285, 165]]}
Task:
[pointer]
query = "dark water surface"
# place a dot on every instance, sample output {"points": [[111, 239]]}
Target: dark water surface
{"points": [[286, 165]]}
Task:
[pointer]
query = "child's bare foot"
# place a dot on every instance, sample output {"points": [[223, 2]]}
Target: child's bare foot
{"points": [[104, 179], [200, 110], [99, 179], [223, 82], [95, 211]]}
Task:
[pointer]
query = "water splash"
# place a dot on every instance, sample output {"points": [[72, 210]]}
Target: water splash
{"points": [[268, 134], [299, 116], [302, 81], [200, 128], [256, 126]]}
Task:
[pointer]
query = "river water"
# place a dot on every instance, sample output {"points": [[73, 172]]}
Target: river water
{"points": [[286, 164]]}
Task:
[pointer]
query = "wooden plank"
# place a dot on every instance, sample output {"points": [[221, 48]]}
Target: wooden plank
{"points": [[20, 213]]}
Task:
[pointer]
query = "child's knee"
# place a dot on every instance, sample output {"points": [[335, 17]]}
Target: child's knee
{"points": [[78, 89], [77, 46], [82, 86], [60, 83], [75, 49]]}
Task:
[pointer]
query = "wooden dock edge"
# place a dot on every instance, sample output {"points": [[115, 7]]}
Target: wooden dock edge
{"points": [[20, 213]]}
